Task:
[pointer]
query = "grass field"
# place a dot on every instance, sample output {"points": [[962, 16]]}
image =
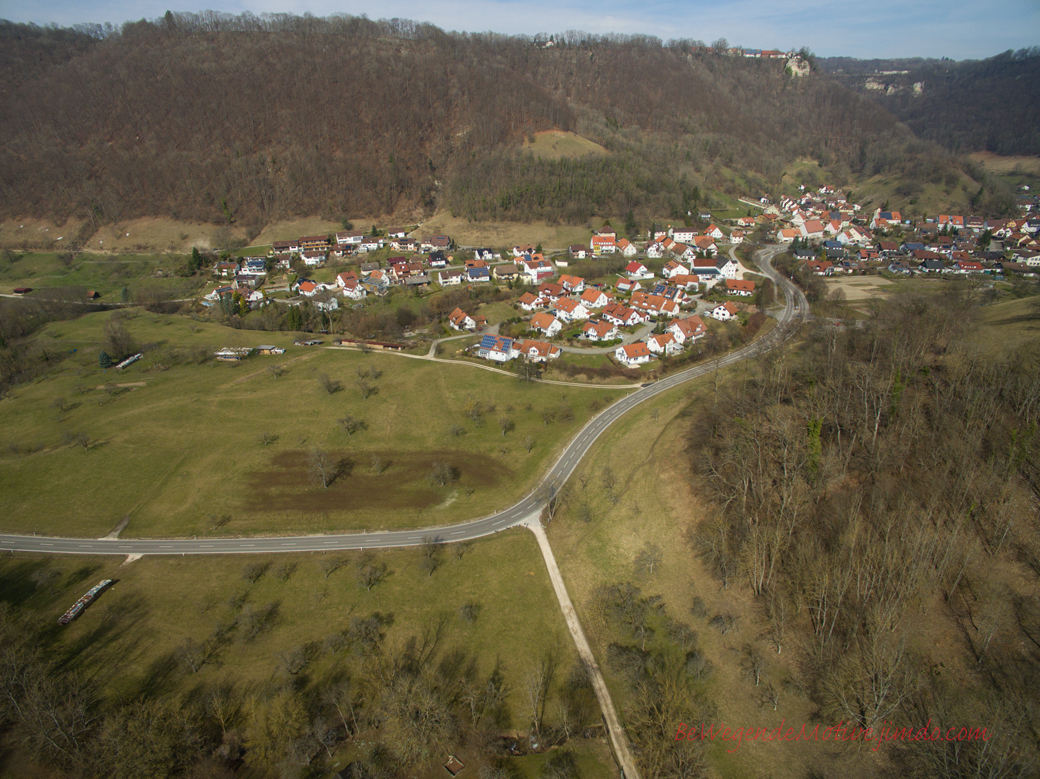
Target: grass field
{"points": [[127, 640], [178, 449], [106, 274], [558, 144]]}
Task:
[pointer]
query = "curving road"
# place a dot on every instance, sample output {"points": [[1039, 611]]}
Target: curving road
{"points": [[518, 514]]}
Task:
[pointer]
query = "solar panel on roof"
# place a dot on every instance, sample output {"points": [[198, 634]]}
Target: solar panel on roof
{"points": [[488, 342]]}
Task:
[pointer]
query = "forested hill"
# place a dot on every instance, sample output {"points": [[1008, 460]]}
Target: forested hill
{"points": [[985, 105], [249, 119]]}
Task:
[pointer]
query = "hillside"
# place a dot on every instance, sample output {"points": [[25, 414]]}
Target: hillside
{"points": [[246, 120], [986, 105]]}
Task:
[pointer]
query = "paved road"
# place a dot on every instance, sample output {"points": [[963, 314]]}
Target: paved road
{"points": [[510, 517]]}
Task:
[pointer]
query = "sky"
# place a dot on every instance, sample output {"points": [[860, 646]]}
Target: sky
{"points": [[958, 29]]}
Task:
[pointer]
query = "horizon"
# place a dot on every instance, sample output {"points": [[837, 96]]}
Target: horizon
{"points": [[953, 30]]}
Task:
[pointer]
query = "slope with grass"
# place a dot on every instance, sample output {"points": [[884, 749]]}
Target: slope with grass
{"points": [[186, 449]]}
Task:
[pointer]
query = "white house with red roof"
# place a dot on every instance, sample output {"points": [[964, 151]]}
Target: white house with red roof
{"points": [[636, 270], [546, 323], [742, 287], [354, 290], [627, 248], [664, 343], [537, 270], [569, 310], [654, 250], [460, 320], [623, 316], [724, 313], [537, 351], [633, 354], [529, 302], [689, 329], [714, 231], [603, 244], [673, 268], [572, 283], [602, 330], [594, 298]]}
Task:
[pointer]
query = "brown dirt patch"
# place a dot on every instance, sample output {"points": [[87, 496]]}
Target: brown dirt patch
{"points": [[287, 485], [861, 288]]}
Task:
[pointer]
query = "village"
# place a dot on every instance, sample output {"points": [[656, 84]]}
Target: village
{"points": [[656, 303]]}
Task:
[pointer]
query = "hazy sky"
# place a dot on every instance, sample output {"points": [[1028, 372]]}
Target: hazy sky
{"points": [[959, 29]]}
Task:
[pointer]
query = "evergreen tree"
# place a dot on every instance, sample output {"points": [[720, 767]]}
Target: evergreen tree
{"points": [[104, 360]]}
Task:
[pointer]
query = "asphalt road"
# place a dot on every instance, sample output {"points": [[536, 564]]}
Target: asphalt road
{"points": [[516, 514]]}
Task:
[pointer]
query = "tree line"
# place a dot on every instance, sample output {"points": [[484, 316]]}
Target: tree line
{"points": [[243, 120], [882, 481]]}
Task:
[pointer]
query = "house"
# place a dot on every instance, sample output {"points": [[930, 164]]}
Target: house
{"points": [[309, 288], [819, 267], [551, 291], [417, 281], [932, 266], [478, 275], [737, 236], [326, 301], [227, 270], [527, 301], [633, 354], [505, 272], [626, 248], [396, 232], [286, 247], [744, 289], [572, 283], [788, 234], [537, 351], [254, 266], [520, 251], [682, 234], [496, 348], [370, 244], [967, 266], [313, 259], [487, 255], [689, 329], [600, 331], [368, 267], [623, 316], [449, 278], [724, 313], [343, 278], [577, 251], [654, 305], [404, 244], [706, 245], [570, 310], [316, 243], [536, 269], [433, 242], [654, 250], [344, 239], [546, 323], [354, 290], [594, 298], [714, 231], [460, 320], [627, 285], [665, 344], [603, 244], [673, 268], [437, 259], [636, 270], [728, 267]]}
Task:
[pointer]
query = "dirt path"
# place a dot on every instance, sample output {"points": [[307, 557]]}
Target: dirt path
{"points": [[618, 739]]}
